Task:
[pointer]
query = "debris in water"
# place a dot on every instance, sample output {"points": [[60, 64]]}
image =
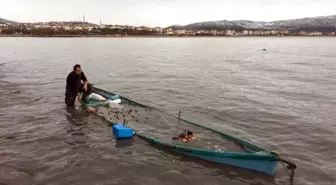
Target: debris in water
{"points": [[9, 137], [16, 91]]}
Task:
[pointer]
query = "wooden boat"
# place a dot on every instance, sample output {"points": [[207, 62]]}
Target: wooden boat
{"points": [[251, 157]]}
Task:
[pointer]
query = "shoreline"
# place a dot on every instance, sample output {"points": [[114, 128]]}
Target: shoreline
{"points": [[153, 36]]}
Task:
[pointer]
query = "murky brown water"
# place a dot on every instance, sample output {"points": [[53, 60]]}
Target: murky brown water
{"points": [[283, 99]]}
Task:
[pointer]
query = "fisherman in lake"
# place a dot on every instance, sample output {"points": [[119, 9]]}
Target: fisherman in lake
{"points": [[75, 82]]}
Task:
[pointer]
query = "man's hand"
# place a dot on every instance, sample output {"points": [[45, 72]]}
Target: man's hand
{"points": [[85, 87]]}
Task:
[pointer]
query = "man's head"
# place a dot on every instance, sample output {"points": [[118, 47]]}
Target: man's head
{"points": [[77, 69]]}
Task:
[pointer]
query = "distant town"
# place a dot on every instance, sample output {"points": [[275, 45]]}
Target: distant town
{"points": [[82, 28]]}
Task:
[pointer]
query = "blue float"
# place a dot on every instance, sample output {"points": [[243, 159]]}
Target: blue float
{"points": [[122, 132]]}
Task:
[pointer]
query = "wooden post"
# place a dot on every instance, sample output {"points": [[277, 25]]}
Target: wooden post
{"points": [[292, 176], [179, 115]]}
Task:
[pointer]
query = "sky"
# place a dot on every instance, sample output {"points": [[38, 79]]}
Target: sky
{"points": [[162, 12]]}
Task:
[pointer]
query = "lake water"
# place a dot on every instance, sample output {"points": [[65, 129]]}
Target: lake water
{"points": [[282, 99]]}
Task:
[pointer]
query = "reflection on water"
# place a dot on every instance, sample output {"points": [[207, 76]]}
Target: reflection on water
{"points": [[124, 143], [77, 116]]}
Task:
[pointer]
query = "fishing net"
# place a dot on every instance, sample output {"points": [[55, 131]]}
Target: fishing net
{"points": [[159, 127], [164, 127]]}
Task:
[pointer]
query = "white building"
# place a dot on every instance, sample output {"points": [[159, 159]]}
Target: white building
{"points": [[284, 32], [79, 28], [245, 32], [315, 33], [274, 32], [190, 32], [158, 29], [88, 28], [267, 32], [180, 32], [169, 31], [66, 27], [213, 32], [139, 28], [229, 32], [130, 27], [120, 27], [42, 26]]}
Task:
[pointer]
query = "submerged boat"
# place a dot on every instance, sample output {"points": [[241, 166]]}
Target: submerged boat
{"points": [[243, 154]]}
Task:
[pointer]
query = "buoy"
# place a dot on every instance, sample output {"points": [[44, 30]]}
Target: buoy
{"points": [[90, 110]]}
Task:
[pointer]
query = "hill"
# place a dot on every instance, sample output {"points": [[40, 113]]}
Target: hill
{"points": [[5, 21], [321, 23]]}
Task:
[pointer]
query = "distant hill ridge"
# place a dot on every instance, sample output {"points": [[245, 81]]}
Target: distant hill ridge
{"points": [[320, 23], [5, 21]]}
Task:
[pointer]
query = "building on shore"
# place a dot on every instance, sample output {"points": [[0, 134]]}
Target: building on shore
{"points": [[78, 28], [315, 33], [213, 32], [179, 32], [88, 28], [190, 32], [2, 27], [245, 32], [168, 31], [158, 29], [303, 33], [67, 28], [229, 32], [284, 32], [132, 28]]}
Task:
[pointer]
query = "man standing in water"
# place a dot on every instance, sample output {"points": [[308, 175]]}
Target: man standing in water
{"points": [[74, 83]]}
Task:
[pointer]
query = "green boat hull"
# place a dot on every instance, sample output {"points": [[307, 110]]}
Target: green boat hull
{"points": [[256, 158]]}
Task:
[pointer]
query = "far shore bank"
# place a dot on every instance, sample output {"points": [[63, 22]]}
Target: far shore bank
{"points": [[150, 36]]}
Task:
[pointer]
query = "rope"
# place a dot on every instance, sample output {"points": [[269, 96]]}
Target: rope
{"points": [[290, 166], [285, 168]]}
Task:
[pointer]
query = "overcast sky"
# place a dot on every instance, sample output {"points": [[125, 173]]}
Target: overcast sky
{"points": [[162, 12]]}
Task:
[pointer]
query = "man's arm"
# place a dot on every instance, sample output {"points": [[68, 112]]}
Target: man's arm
{"points": [[70, 85], [83, 77], [68, 81], [85, 81]]}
